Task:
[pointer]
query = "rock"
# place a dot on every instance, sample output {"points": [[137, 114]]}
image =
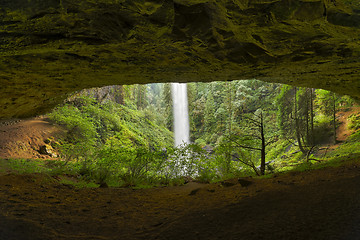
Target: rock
{"points": [[244, 182], [193, 192], [103, 185], [48, 150], [49, 48]]}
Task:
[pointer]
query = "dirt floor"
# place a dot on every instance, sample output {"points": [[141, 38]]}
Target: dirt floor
{"points": [[24, 138], [342, 131], [321, 204]]}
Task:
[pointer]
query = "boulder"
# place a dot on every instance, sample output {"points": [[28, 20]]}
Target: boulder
{"points": [[48, 150]]}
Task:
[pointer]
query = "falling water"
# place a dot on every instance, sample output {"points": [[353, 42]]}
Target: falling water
{"points": [[181, 114]]}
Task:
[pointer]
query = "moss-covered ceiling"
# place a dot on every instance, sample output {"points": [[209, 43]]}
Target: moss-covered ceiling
{"points": [[49, 48]]}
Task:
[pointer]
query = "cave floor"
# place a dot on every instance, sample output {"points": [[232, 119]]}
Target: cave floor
{"points": [[318, 204]]}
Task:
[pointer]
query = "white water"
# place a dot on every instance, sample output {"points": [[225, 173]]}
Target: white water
{"points": [[181, 113]]}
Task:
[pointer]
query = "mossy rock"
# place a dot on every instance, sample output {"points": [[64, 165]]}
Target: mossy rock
{"points": [[50, 48]]}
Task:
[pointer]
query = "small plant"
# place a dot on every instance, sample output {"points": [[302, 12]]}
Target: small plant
{"points": [[354, 121]]}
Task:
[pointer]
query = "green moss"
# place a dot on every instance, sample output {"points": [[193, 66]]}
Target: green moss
{"points": [[23, 166], [276, 149], [52, 48], [78, 184]]}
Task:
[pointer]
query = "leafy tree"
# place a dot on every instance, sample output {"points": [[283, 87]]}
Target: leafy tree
{"points": [[209, 113], [140, 96], [326, 103], [295, 116], [167, 105]]}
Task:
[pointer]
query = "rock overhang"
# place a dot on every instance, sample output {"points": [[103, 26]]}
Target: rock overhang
{"points": [[50, 48]]}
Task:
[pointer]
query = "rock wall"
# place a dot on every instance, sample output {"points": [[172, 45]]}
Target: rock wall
{"points": [[49, 48]]}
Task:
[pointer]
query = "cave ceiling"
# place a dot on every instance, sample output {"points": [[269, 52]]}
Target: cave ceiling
{"points": [[50, 48]]}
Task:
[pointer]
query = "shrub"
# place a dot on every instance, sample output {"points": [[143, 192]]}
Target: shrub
{"points": [[354, 121]]}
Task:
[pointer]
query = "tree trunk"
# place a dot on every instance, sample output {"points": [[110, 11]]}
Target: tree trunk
{"points": [[307, 115], [119, 96], [297, 125], [263, 145], [312, 142], [229, 107], [334, 117]]}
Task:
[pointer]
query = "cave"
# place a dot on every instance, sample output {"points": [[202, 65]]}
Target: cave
{"points": [[52, 48]]}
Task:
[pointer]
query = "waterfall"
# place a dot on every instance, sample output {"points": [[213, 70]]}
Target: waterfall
{"points": [[181, 113]]}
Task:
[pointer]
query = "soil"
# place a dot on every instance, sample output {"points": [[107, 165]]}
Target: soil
{"points": [[342, 132], [23, 138], [318, 204]]}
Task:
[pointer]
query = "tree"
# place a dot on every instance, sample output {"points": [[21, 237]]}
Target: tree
{"points": [[209, 112], [326, 103], [167, 105], [140, 96], [255, 138], [312, 142], [298, 124], [295, 116], [119, 94]]}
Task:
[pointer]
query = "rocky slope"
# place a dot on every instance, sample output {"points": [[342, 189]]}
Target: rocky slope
{"points": [[49, 48]]}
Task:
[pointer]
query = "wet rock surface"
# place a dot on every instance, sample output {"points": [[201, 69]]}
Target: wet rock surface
{"points": [[51, 48]]}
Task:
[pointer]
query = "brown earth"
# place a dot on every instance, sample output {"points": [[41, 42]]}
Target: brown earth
{"points": [[23, 138], [343, 131], [321, 204]]}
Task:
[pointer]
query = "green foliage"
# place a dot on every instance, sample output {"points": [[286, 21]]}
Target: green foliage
{"points": [[167, 105], [200, 142], [78, 184], [322, 129], [284, 102], [277, 150], [131, 166], [223, 159], [332, 162], [110, 141], [129, 144], [354, 121], [209, 113], [22, 166], [350, 147], [94, 124], [80, 126], [216, 108], [324, 101], [352, 3]]}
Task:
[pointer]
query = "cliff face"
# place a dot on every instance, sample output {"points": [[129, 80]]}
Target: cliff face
{"points": [[49, 48]]}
